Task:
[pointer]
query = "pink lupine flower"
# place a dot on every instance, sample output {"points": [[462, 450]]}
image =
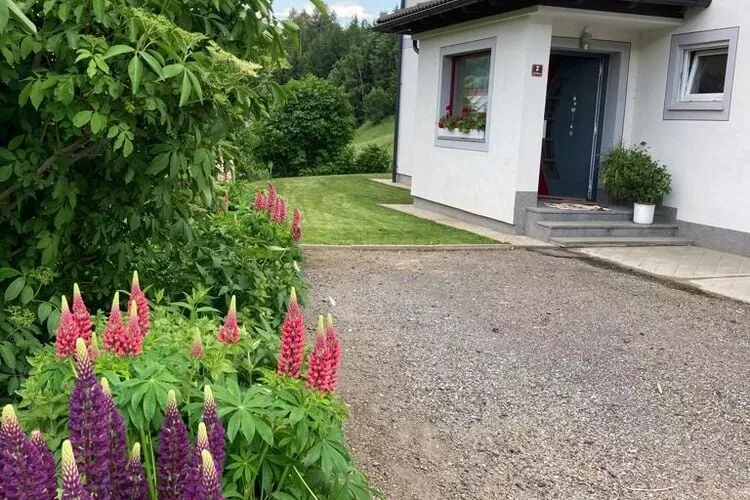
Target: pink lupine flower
{"points": [[82, 316], [115, 334], [261, 203], [143, 311], [134, 332], [279, 211], [334, 353], [210, 481], [271, 199], [229, 333], [196, 350], [94, 349], [67, 331], [72, 489], [318, 375], [291, 350], [296, 230]]}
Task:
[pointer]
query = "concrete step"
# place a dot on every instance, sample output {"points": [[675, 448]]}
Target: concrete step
{"points": [[620, 241], [573, 229], [556, 214]]}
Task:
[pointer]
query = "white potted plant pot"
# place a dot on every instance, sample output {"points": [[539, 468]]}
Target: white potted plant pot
{"points": [[643, 214]]}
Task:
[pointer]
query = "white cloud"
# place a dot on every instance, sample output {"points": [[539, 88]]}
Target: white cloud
{"points": [[345, 12]]}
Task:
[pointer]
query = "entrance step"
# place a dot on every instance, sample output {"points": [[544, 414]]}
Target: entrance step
{"points": [[620, 241], [595, 228], [542, 213]]}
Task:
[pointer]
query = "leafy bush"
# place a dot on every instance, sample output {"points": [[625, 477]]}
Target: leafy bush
{"points": [[114, 115], [284, 435], [631, 175], [373, 159], [309, 130], [241, 150], [379, 104], [342, 164], [238, 252]]}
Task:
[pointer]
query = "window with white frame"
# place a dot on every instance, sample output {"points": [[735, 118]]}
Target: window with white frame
{"points": [[699, 84], [465, 95]]}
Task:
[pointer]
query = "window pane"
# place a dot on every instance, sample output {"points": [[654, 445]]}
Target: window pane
{"points": [[709, 68], [471, 77]]}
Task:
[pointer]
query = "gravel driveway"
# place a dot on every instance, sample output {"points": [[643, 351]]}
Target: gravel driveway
{"points": [[512, 374]]}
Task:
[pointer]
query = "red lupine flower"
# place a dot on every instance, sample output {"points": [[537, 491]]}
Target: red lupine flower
{"points": [[296, 230], [67, 331], [196, 350], [94, 349], [291, 350], [261, 203], [82, 316], [115, 334], [334, 353], [229, 333], [279, 211], [134, 333], [318, 375], [143, 311]]}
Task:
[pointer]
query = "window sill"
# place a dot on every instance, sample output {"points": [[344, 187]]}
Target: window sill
{"points": [[457, 135]]}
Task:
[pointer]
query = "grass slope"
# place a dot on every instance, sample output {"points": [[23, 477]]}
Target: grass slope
{"points": [[380, 134], [343, 209]]}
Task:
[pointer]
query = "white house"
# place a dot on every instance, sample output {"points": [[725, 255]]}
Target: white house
{"points": [[546, 87]]}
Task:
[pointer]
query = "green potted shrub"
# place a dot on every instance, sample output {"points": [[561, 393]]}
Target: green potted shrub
{"points": [[631, 175]]}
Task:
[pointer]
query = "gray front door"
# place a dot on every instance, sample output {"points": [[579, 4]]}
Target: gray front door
{"points": [[573, 116]]}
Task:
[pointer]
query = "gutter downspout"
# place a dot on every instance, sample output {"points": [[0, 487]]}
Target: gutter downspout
{"points": [[394, 163]]}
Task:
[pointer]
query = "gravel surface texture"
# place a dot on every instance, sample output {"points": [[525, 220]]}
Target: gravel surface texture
{"points": [[512, 374]]}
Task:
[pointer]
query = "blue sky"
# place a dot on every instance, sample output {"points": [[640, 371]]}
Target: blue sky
{"points": [[345, 9]]}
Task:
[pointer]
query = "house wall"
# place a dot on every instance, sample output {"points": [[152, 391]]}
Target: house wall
{"points": [[708, 160], [484, 183], [408, 110]]}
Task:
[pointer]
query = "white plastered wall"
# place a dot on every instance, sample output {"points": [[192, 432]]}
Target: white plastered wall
{"points": [[709, 160], [407, 107], [484, 182]]}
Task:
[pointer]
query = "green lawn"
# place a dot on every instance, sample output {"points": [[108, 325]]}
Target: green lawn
{"points": [[343, 209], [380, 134]]}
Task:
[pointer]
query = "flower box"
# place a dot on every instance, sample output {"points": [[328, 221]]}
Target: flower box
{"points": [[455, 134]]}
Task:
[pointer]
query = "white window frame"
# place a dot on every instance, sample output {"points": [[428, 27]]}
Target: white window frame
{"points": [[444, 84], [680, 103]]}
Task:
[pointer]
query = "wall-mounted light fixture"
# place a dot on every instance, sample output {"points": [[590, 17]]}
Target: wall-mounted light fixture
{"points": [[585, 39]]}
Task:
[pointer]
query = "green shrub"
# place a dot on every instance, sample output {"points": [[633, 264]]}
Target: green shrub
{"points": [[308, 131], [631, 175], [379, 104], [241, 151], [373, 159], [283, 440]]}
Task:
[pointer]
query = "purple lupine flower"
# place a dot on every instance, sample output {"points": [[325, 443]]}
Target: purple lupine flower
{"points": [[89, 425], [47, 468], [173, 453], [214, 428], [118, 446], [71, 479], [194, 489], [210, 481], [20, 477], [137, 486]]}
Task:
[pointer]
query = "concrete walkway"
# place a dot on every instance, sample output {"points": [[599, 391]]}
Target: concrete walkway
{"points": [[711, 271], [389, 182], [517, 240]]}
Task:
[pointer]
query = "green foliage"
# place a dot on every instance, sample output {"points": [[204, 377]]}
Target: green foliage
{"points": [[283, 440], [308, 130], [631, 175], [355, 57], [241, 151], [114, 114], [378, 105], [373, 159]]}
